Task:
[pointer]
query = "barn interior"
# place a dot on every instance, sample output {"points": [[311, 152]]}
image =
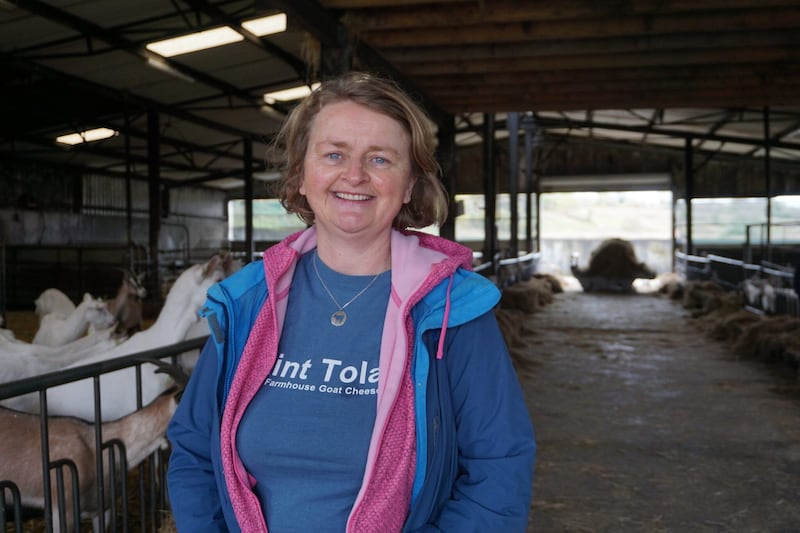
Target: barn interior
{"points": [[699, 101], [696, 100]]}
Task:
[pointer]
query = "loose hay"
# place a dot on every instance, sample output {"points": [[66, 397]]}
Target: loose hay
{"points": [[555, 283], [730, 327], [516, 334], [771, 339], [703, 298], [723, 315]]}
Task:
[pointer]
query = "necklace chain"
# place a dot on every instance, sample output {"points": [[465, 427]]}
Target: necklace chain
{"points": [[339, 316]]}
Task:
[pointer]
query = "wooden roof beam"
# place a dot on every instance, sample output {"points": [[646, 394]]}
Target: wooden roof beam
{"points": [[369, 15], [676, 58], [779, 72], [786, 18], [730, 96], [607, 45]]}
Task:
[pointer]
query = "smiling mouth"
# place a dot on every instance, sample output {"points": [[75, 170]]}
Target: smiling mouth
{"points": [[351, 196]]}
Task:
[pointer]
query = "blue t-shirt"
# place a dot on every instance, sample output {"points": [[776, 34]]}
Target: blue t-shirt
{"points": [[305, 435]]}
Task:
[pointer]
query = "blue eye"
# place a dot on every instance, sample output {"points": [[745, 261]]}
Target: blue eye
{"points": [[380, 160], [334, 156]]}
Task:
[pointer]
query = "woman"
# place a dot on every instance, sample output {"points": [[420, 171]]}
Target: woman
{"points": [[356, 378]]}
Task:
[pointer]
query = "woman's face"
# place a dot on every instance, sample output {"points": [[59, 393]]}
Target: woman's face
{"points": [[356, 171]]}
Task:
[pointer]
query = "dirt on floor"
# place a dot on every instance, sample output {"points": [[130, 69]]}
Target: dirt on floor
{"points": [[643, 423]]}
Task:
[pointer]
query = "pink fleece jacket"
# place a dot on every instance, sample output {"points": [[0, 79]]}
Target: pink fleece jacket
{"points": [[419, 262]]}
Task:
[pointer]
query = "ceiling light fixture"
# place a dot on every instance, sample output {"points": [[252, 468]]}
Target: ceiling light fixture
{"points": [[266, 25], [96, 134], [287, 95], [195, 41], [267, 176]]}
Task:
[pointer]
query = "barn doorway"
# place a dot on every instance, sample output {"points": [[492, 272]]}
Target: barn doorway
{"points": [[575, 223]]}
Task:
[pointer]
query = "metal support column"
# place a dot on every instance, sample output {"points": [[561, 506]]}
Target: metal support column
{"points": [[513, 180], [531, 187], [689, 172], [768, 183], [154, 195], [128, 190], [489, 191], [249, 246], [446, 154]]}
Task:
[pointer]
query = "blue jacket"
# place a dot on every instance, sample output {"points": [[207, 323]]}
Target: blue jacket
{"points": [[471, 420]]}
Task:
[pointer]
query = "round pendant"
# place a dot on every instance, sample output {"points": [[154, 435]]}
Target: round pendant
{"points": [[338, 318]]}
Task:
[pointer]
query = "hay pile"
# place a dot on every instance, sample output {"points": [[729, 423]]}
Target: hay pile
{"points": [[527, 296], [616, 258], [612, 267], [517, 335], [774, 338], [732, 326], [703, 298], [553, 281]]}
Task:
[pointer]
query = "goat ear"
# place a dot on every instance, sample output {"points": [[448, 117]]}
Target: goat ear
{"points": [[211, 266]]}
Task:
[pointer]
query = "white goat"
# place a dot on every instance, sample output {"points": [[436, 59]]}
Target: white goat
{"points": [[118, 389], [53, 301], [56, 329], [760, 293], [188, 360], [752, 288], [20, 359], [142, 432], [768, 298]]}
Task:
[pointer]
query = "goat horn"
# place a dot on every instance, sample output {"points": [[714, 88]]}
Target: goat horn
{"points": [[178, 374]]}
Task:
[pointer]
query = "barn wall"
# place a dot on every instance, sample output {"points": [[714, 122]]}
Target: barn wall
{"points": [[31, 185], [48, 205], [70, 231], [179, 231]]}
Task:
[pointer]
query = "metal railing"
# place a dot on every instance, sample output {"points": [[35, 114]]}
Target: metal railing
{"points": [[515, 269], [738, 275], [150, 470], [507, 271]]}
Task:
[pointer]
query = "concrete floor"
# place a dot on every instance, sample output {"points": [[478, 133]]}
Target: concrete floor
{"points": [[644, 424]]}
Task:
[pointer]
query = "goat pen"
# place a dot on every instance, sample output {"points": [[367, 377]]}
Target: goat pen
{"points": [[63, 494]]}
